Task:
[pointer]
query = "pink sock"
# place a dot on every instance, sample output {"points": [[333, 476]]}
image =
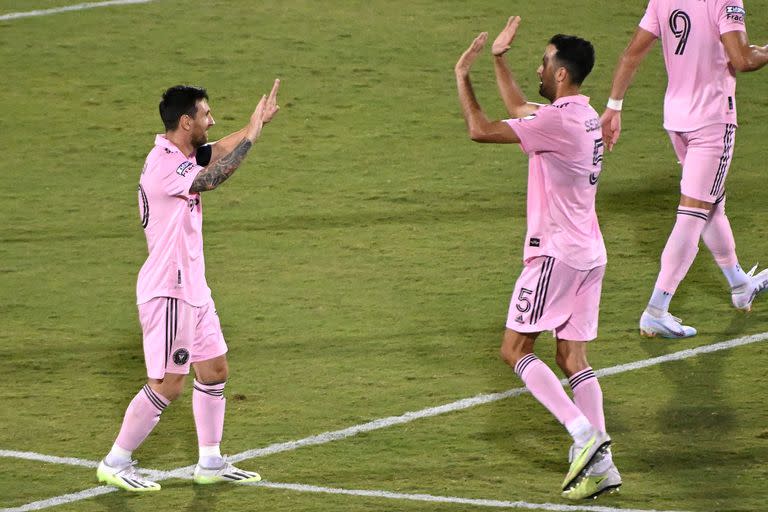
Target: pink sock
{"points": [[681, 248], [546, 388], [142, 415], [718, 237], [588, 397], [208, 404]]}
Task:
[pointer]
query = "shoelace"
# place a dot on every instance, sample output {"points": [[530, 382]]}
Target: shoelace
{"points": [[131, 471]]}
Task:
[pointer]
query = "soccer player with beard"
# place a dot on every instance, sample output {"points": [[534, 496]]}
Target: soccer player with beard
{"points": [[564, 255], [177, 314]]}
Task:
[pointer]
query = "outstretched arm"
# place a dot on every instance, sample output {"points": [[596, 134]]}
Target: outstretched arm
{"points": [[510, 91], [480, 128], [220, 169], [225, 145], [744, 56], [639, 46]]}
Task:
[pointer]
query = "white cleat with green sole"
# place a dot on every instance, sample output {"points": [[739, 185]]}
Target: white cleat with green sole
{"points": [[226, 473], [125, 477]]}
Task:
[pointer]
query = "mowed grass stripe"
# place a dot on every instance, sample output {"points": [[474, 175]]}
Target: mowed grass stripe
{"points": [[556, 507], [326, 437]]}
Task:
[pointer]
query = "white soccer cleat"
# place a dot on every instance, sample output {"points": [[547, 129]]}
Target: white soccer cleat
{"points": [[226, 473], [666, 326], [125, 477], [742, 296]]}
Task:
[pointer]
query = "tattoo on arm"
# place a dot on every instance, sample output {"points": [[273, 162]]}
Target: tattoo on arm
{"points": [[218, 172]]}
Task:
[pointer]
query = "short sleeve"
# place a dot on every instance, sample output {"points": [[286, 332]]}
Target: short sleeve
{"points": [[177, 174], [650, 20], [730, 16], [540, 131]]}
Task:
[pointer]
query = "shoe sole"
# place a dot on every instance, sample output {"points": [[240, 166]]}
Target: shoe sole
{"points": [[223, 480], [127, 488], [651, 334], [611, 489]]}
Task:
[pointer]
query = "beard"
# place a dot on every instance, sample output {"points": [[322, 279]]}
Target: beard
{"points": [[545, 93], [199, 140]]}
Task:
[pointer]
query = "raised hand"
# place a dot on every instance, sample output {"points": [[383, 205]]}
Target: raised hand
{"points": [[504, 39], [253, 130], [271, 107], [470, 55]]}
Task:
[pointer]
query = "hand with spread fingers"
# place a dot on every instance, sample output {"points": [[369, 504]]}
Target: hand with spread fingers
{"points": [[504, 40], [470, 55]]}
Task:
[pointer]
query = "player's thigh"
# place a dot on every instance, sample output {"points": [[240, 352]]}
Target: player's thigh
{"points": [[707, 162], [209, 346], [168, 326], [582, 324], [679, 144], [540, 299]]}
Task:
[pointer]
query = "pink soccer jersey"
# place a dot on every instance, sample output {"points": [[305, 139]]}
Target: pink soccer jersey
{"points": [[565, 152], [701, 90], [172, 218]]}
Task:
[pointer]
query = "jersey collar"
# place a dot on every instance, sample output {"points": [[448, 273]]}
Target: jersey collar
{"points": [[161, 141], [576, 98]]}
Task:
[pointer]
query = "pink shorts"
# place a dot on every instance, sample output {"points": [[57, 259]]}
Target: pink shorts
{"points": [[177, 334], [705, 155], [551, 296]]}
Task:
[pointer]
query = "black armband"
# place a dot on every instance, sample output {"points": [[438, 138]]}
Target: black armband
{"points": [[203, 155]]}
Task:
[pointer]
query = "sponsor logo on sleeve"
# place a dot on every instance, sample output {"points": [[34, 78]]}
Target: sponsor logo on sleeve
{"points": [[735, 13], [534, 242], [183, 168]]}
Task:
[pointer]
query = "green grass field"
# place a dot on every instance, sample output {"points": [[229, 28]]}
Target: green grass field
{"points": [[361, 259]]}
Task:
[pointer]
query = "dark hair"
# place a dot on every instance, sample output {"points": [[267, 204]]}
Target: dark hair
{"points": [[575, 54], [178, 101]]}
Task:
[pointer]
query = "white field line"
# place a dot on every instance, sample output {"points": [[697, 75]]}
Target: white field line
{"points": [[67, 8], [483, 399], [98, 491], [63, 499], [184, 472], [448, 499]]}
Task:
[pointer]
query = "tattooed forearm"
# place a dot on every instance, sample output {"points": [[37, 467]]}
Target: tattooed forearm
{"points": [[218, 172]]}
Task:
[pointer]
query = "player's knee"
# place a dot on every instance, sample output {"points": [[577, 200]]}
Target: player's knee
{"points": [[571, 362], [216, 376], [212, 371], [510, 353], [169, 388], [515, 346]]}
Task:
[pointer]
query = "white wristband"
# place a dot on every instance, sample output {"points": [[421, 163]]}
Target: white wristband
{"points": [[614, 104]]}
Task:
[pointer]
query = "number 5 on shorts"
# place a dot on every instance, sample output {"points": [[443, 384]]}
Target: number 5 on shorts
{"points": [[523, 304]]}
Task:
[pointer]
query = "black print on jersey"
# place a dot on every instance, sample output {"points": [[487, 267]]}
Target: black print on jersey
{"points": [[680, 24], [735, 13], [183, 168]]}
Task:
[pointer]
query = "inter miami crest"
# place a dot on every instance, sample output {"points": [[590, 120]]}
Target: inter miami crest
{"points": [[181, 356]]}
